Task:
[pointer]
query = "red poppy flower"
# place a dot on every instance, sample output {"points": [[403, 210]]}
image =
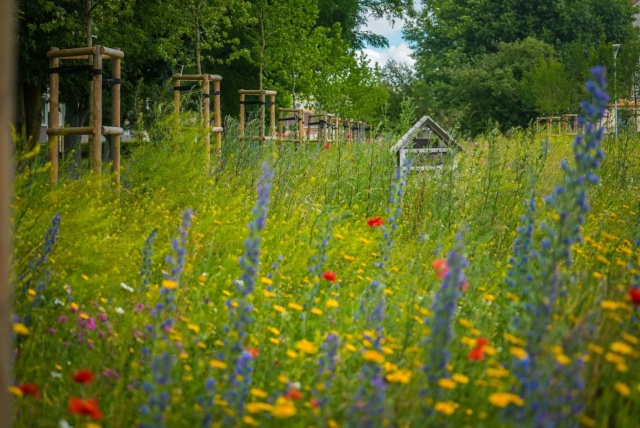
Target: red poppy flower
{"points": [[83, 376], [85, 407], [477, 353], [327, 146], [29, 389], [634, 293], [254, 352], [374, 222], [314, 403], [293, 394], [441, 267], [329, 276]]}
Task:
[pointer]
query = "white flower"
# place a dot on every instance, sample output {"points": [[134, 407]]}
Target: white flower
{"points": [[58, 302], [56, 375], [126, 287], [64, 424], [120, 310]]}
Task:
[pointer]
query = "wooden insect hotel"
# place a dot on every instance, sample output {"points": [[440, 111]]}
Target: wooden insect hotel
{"points": [[97, 54], [262, 103], [428, 143], [206, 80], [287, 117]]}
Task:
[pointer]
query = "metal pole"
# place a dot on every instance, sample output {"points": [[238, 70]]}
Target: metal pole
{"points": [[7, 62]]}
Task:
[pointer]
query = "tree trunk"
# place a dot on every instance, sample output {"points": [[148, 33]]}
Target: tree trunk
{"points": [[198, 61], [32, 94], [262, 45]]}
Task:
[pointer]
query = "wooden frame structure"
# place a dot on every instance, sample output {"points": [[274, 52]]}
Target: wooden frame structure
{"points": [[97, 54], [262, 102], [206, 80], [426, 137], [298, 117], [559, 125], [324, 125], [7, 85]]}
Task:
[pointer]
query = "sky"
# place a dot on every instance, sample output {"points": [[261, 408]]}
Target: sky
{"points": [[398, 49]]}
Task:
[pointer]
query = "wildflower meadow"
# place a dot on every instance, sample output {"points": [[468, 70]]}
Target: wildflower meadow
{"points": [[323, 285]]}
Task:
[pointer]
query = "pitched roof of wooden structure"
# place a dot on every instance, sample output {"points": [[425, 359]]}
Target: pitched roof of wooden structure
{"points": [[426, 122]]}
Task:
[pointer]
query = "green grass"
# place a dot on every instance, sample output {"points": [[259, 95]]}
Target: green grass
{"points": [[103, 231]]}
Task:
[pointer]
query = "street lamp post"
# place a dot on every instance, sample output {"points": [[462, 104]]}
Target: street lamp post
{"points": [[616, 49]]}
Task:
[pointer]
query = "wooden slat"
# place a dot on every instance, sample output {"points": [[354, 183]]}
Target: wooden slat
{"points": [[96, 140], [111, 130], [54, 120], [113, 53], [217, 129], [256, 92], [59, 53], [7, 85], [86, 130], [217, 111], [115, 122]]}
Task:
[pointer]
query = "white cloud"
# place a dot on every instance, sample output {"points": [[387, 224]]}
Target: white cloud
{"points": [[400, 53], [398, 49]]}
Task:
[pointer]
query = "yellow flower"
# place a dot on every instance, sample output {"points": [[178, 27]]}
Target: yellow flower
{"points": [[250, 421], [338, 236], [279, 308], [373, 356], [595, 349], [609, 305], [465, 323], [14, 390], [269, 294], [332, 303], [194, 328], [295, 306], [519, 353], [514, 340], [274, 340], [217, 364], [258, 393], [266, 281], [20, 329], [350, 347], [631, 339], [503, 399], [307, 347], [283, 408], [169, 284], [400, 376], [447, 383], [621, 348], [274, 331], [460, 378], [489, 297], [258, 407], [446, 407], [316, 311], [622, 388], [563, 359], [348, 258]]}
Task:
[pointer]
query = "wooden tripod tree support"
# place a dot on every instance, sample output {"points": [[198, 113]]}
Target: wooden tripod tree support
{"points": [[324, 123], [206, 80], [285, 115], [96, 130], [262, 102]]}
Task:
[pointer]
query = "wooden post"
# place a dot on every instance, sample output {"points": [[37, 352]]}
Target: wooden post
{"points": [[262, 116], [115, 119], [242, 114], [272, 101], [301, 126], [206, 118], [7, 37], [176, 103], [218, 115], [96, 141], [54, 120], [281, 125]]}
